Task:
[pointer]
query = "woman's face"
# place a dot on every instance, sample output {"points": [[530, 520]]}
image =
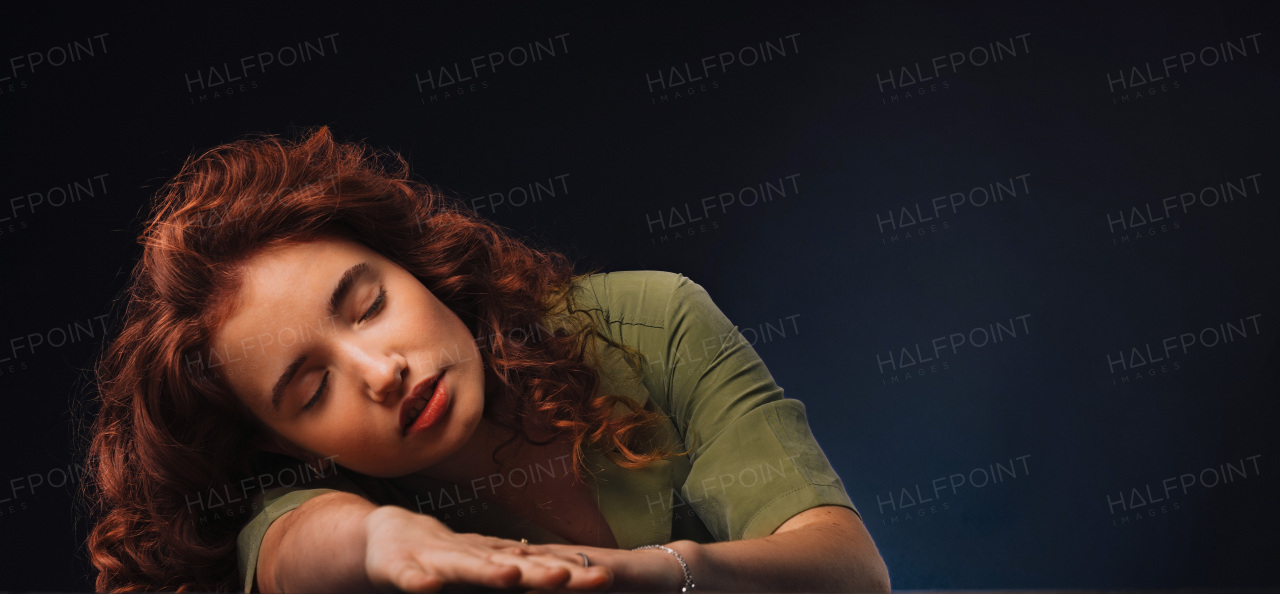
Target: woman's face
{"points": [[334, 347]]}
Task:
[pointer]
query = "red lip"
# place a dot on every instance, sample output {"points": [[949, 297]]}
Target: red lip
{"points": [[421, 392]]}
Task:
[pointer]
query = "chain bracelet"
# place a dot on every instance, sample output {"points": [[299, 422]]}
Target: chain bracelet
{"points": [[688, 577]]}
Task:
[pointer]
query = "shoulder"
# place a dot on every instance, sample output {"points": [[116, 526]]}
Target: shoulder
{"points": [[640, 297]]}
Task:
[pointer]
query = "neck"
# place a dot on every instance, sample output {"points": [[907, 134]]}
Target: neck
{"points": [[475, 461], [475, 458]]}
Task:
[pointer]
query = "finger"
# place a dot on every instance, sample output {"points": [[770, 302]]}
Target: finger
{"points": [[474, 566], [591, 578], [543, 573], [567, 560], [573, 559], [581, 577], [410, 577], [492, 542], [497, 569], [562, 551]]}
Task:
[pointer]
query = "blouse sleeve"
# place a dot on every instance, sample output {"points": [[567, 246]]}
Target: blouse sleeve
{"points": [[755, 462]]}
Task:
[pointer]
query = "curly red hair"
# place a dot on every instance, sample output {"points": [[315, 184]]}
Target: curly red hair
{"points": [[166, 429]]}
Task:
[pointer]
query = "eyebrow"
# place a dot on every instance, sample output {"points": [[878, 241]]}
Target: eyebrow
{"points": [[340, 292]]}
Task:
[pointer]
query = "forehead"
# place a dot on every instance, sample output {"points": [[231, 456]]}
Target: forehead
{"points": [[294, 273]]}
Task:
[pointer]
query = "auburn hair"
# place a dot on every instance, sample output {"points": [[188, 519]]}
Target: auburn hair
{"points": [[167, 428]]}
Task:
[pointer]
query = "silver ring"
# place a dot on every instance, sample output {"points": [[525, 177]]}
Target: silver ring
{"points": [[585, 561]]}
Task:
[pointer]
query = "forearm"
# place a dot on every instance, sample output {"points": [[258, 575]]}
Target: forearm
{"points": [[320, 546], [339, 542], [824, 552]]}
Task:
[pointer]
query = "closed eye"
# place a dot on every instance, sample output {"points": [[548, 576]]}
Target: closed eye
{"points": [[373, 310], [377, 305], [324, 382]]}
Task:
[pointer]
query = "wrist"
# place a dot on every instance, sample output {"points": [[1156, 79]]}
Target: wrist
{"points": [[375, 517], [693, 554], [683, 556]]}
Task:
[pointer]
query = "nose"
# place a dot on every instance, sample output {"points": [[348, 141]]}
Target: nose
{"points": [[378, 373]]}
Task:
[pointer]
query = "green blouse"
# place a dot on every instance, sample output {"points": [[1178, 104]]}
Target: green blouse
{"points": [[754, 462]]}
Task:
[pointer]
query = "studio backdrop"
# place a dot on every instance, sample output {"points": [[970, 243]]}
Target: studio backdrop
{"points": [[1018, 260]]}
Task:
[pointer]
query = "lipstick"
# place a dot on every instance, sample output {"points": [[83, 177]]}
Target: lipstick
{"points": [[415, 416]]}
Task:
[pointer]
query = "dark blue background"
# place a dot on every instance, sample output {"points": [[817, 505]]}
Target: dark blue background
{"points": [[815, 262]]}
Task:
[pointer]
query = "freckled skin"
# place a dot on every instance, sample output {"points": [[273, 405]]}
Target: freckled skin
{"points": [[282, 311]]}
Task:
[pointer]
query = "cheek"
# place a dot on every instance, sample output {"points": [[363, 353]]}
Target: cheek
{"points": [[440, 335], [349, 435]]}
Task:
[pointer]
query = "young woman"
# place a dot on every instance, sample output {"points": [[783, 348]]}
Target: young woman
{"points": [[330, 377]]}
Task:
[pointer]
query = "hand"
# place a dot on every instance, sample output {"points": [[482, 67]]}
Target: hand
{"points": [[633, 571], [416, 553]]}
